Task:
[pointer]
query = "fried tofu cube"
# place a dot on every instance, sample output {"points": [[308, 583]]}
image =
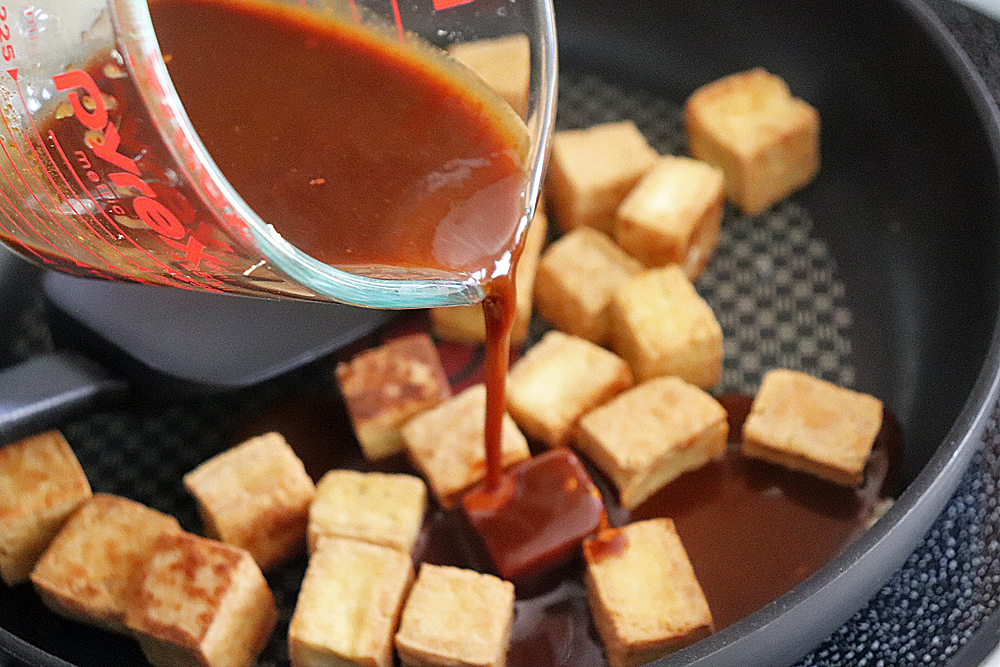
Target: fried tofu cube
{"points": [[765, 140], [201, 603], [455, 616], [255, 496], [591, 170], [643, 593], [466, 324], [386, 385], [538, 516], [349, 604], [661, 326], [649, 435], [558, 380], [503, 63], [577, 278], [808, 424], [673, 215], [377, 507], [41, 483], [96, 560], [447, 444]]}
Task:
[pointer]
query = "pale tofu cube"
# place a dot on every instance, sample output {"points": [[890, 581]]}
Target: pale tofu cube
{"points": [[661, 326], [377, 507], [808, 424], [648, 436], [386, 385], [92, 566], [765, 140], [201, 603], [447, 444], [455, 616], [673, 215], [643, 593], [577, 278], [466, 324], [255, 496], [591, 170], [503, 63], [557, 381], [349, 605], [41, 483]]}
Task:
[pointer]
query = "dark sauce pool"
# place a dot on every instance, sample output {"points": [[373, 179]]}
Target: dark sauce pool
{"points": [[753, 531]]}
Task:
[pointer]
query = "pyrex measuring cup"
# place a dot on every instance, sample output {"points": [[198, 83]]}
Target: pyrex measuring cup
{"points": [[162, 213]]}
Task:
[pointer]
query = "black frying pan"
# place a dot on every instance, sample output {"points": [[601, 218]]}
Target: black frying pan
{"points": [[903, 221]]}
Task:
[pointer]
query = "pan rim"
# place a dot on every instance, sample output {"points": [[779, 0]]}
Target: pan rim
{"points": [[870, 561]]}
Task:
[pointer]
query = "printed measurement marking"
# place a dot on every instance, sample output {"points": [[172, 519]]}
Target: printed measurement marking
{"points": [[111, 221], [15, 211], [56, 204], [445, 4], [144, 274], [19, 209], [6, 49], [72, 199], [31, 20], [399, 20]]}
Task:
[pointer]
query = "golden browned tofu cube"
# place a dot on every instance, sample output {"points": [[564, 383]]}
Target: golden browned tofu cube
{"points": [[649, 435], [349, 605], [643, 593], [465, 324], [765, 140], [447, 444], [377, 507], [560, 379], [201, 603], [661, 326], [808, 424], [455, 616], [41, 483], [673, 215], [255, 496], [577, 277], [95, 561], [503, 63], [386, 385], [591, 170]]}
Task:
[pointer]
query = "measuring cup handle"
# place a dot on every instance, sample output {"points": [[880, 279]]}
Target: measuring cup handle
{"points": [[45, 390]]}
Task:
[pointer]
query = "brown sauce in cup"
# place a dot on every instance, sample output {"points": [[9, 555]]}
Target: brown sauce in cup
{"points": [[360, 153]]}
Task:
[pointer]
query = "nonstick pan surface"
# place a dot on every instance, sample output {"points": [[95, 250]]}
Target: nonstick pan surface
{"points": [[882, 275]]}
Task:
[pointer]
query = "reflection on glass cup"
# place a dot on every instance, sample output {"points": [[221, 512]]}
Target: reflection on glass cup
{"points": [[105, 176]]}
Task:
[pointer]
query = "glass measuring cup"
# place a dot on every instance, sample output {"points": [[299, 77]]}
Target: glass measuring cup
{"points": [[76, 198]]}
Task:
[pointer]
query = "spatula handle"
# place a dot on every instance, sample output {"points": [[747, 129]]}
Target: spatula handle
{"points": [[47, 389]]}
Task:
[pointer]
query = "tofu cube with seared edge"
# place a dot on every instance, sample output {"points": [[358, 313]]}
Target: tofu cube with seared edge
{"points": [[256, 496], [455, 617], [376, 507], [649, 435], [349, 604], [91, 567], [41, 484], [765, 140], [201, 603], [804, 423], [386, 385], [643, 593], [591, 170]]}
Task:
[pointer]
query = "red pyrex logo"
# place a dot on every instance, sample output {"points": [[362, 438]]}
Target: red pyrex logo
{"points": [[147, 206]]}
